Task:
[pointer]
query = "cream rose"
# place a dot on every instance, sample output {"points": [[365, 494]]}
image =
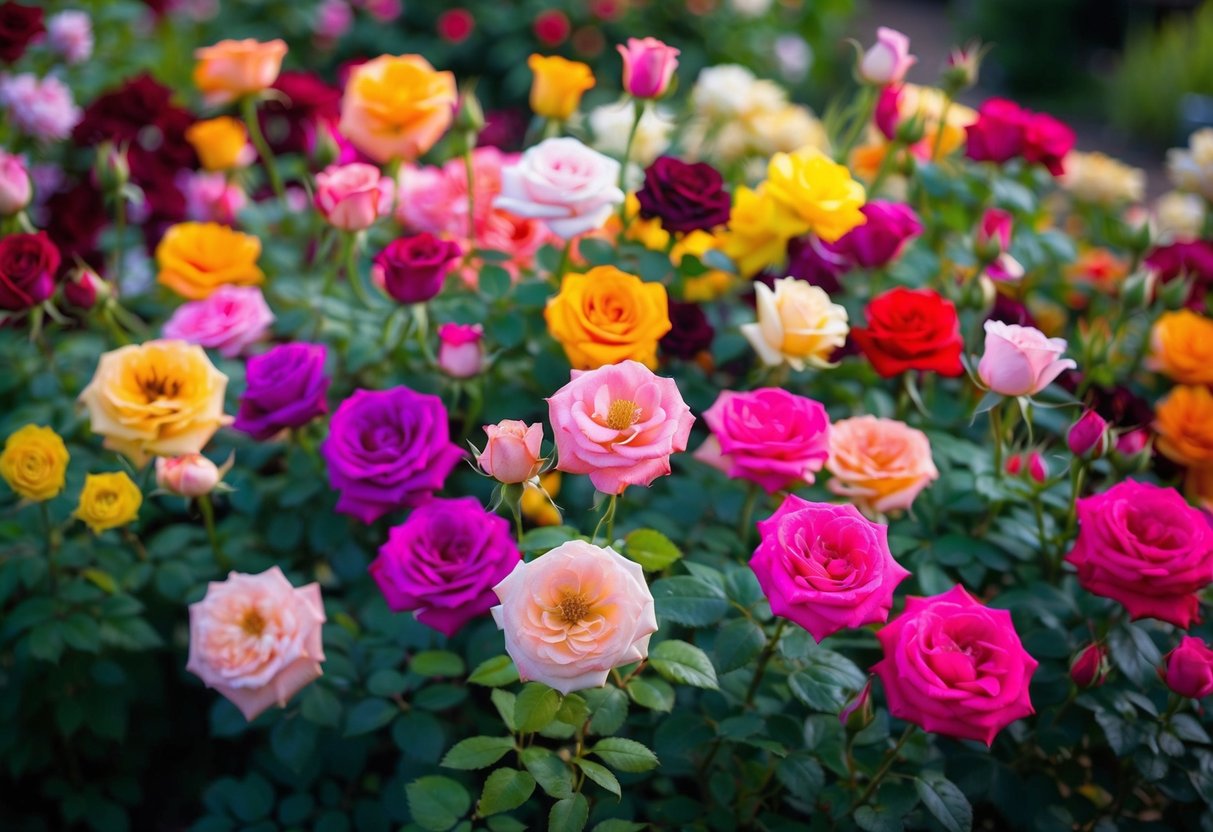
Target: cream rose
{"points": [[797, 323]]}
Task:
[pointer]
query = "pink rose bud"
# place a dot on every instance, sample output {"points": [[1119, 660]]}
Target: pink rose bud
{"points": [[648, 67], [857, 714], [1088, 437], [994, 233], [1020, 360], [190, 475], [1133, 442], [83, 286], [1038, 470], [1190, 669], [351, 196], [1090, 667], [461, 353], [333, 19], [963, 67], [15, 186], [512, 452], [888, 61]]}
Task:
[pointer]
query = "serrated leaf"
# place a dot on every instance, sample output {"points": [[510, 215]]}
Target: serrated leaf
{"points": [[477, 752], [827, 681], [689, 600], [495, 672], [624, 754], [651, 549], [946, 802], [738, 643], [682, 662], [654, 694], [504, 701], [601, 775], [535, 707], [549, 771], [569, 814], [505, 789], [437, 803]]}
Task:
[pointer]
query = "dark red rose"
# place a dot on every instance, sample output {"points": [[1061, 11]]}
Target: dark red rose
{"points": [[690, 333], [1192, 259], [19, 25], [685, 197], [74, 219], [503, 129], [1047, 141], [911, 329], [1010, 311], [28, 264], [411, 269], [290, 124]]}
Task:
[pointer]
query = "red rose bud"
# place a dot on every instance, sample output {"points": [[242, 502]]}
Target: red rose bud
{"points": [[1190, 669], [1037, 469], [1090, 666], [83, 287], [1014, 464], [1088, 437], [857, 714]]}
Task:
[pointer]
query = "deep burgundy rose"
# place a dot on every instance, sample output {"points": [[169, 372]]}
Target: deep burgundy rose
{"points": [[911, 329], [28, 264], [1010, 311], [812, 260], [75, 217], [690, 333], [503, 129], [412, 269], [290, 125], [1192, 259], [285, 388], [19, 25], [684, 196], [890, 226]]}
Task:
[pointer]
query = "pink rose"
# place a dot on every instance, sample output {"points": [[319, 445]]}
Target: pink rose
{"points": [[512, 452], [189, 475], [211, 197], [998, 133], [460, 351], [572, 188], [991, 241], [42, 108], [15, 187], [955, 667], [231, 320], [351, 197], [888, 60], [1190, 668], [1088, 437], [70, 34], [619, 423], [1146, 548], [879, 464], [256, 639], [572, 615], [826, 567], [1047, 141], [648, 67], [768, 436], [1020, 360]]}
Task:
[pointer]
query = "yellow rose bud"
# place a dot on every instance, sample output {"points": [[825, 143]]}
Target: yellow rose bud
{"points": [[558, 85], [1184, 423], [108, 501], [196, 258], [1181, 347], [219, 142], [818, 191], [797, 323], [34, 463], [606, 316]]}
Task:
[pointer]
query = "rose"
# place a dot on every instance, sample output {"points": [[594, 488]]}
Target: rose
{"points": [[39, 107], [814, 262], [1190, 258], [888, 60], [189, 475], [443, 562], [1047, 141], [74, 219], [1030, 464], [211, 197], [572, 188], [1184, 423], [1090, 667], [386, 450], [770, 437], [558, 85], [160, 397], [685, 197], [232, 69], [816, 190], [257, 639], [15, 186], [1181, 347], [690, 333], [880, 240], [350, 196], [605, 316], [1190, 668], [19, 26], [221, 143], [990, 242], [1020, 360], [512, 452], [879, 464], [28, 264], [760, 229], [34, 463], [412, 269], [648, 67], [108, 501], [70, 33], [284, 388], [1088, 436], [619, 424], [797, 324], [309, 107], [397, 107], [83, 286], [572, 615], [231, 320], [998, 133], [825, 567], [887, 115], [196, 258], [911, 329], [955, 667], [460, 350]]}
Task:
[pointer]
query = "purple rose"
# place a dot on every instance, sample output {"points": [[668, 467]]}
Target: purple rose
{"points": [[690, 333], [878, 241], [685, 197], [411, 269], [811, 260], [443, 562], [285, 388], [388, 449]]}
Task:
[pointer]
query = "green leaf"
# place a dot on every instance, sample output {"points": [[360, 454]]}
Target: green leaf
{"points": [[477, 752], [321, 706], [293, 740], [574, 710], [688, 600], [802, 775], [878, 819], [546, 537], [609, 707], [738, 643], [617, 825], [437, 803], [252, 799], [651, 549], [386, 683], [946, 802], [681, 662], [535, 707], [549, 771], [437, 663], [827, 681], [80, 632], [504, 702], [45, 642], [569, 814], [505, 789], [495, 672], [369, 715], [654, 694], [624, 754], [504, 823], [601, 775]]}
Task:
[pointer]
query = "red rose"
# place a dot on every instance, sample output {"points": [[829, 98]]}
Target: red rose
{"points": [[911, 329], [18, 26], [28, 263]]}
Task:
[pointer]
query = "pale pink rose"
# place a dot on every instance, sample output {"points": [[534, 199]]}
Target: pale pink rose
{"points": [[333, 19], [15, 186], [880, 465], [1020, 360], [42, 108], [189, 475], [211, 197], [572, 615], [572, 188], [70, 34], [256, 639], [351, 196], [460, 349], [619, 423], [888, 60], [230, 320], [512, 452], [648, 67]]}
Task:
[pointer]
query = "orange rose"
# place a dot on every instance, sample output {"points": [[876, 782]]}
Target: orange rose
{"points": [[1184, 423], [397, 107], [232, 69], [219, 142], [606, 316], [196, 258], [1181, 347]]}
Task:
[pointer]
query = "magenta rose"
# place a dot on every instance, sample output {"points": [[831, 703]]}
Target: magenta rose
{"points": [[768, 436], [411, 269], [684, 196], [1047, 141], [826, 567], [998, 133], [443, 562], [28, 263], [1190, 669], [880, 240], [955, 667], [1145, 547], [388, 449], [285, 388]]}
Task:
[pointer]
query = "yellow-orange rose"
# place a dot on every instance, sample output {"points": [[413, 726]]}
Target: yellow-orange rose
{"points": [[558, 85], [162, 398], [1184, 422], [234, 68], [1181, 347], [196, 258], [108, 501], [759, 230], [397, 107], [797, 323], [817, 190], [606, 316], [219, 142], [34, 462]]}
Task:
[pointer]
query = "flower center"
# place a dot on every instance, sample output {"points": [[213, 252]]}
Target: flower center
{"points": [[155, 386], [622, 414], [573, 608], [252, 623]]}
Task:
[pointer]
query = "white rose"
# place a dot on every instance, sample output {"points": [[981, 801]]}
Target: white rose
{"points": [[721, 92], [611, 124], [572, 188]]}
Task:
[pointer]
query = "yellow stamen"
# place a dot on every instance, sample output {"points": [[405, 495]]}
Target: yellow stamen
{"points": [[623, 414], [252, 623], [573, 608]]}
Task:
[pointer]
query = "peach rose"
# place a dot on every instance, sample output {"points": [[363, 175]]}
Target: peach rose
{"points": [[232, 69], [397, 107], [256, 639], [512, 452], [879, 464], [574, 614]]}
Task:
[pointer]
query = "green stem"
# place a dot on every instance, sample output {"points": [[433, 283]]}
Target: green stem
{"points": [[885, 765], [468, 167], [393, 173], [1077, 474], [607, 518], [115, 275], [747, 514], [208, 518], [563, 266], [996, 431], [351, 269], [939, 128], [863, 115], [517, 507], [627, 155], [763, 658], [51, 535], [248, 108]]}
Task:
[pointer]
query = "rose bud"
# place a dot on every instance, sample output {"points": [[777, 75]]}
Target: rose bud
{"points": [[963, 68], [512, 452], [648, 67], [1038, 470], [1133, 450], [857, 714], [15, 186], [460, 352], [1137, 291], [412, 269], [1014, 465], [111, 170], [1174, 294], [1190, 669], [1088, 437], [350, 196], [190, 475], [1090, 666], [83, 286], [888, 60]]}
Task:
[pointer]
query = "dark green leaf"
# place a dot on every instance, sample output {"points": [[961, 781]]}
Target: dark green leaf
{"points": [[738, 643], [437, 803], [505, 789], [477, 752], [689, 600], [549, 771], [946, 802], [369, 715], [624, 754], [569, 814], [681, 662], [654, 694], [601, 775]]}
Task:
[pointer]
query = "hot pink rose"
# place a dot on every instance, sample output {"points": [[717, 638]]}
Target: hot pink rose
{"points": [[1047, 141], [768, 436], [572, 188], [998, 133], [512, 452], [460, 351], [351, 197], [256, 639], [888, 60], [826, 567], [15, 186], [648, 67], [619, 423], [1190, 668], [880, 240], [572, 615], [991, 241], [1146, 548], [879, 464], [1021, 360], [955, 667], [231, 320]]}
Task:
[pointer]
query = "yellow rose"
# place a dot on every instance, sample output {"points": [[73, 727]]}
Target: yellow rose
{"points": [[219, 142], [108, 501], [606, 316], [558, 85], [196, 258], [797, 323], [397, 107], [1184, 423], [818, 191], [34, 463], [759, 230], [162, 398], [234, 68], [1181, 347]]}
